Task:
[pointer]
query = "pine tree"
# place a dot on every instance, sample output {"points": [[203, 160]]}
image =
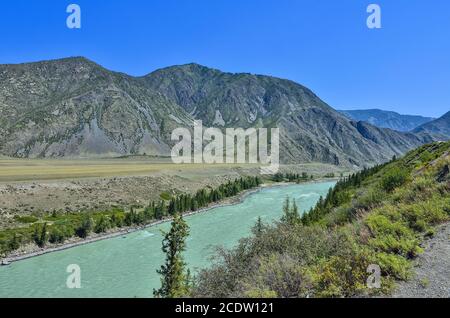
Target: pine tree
{"points": [[291, 215], [86, 227], [259, 227], [40, 235], [14, 243], [174, 280]]}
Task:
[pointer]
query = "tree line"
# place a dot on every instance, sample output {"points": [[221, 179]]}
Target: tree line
{"points": [[60, 228], [338, 194]]}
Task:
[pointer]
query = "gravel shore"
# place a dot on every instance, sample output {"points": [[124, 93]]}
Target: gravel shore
{"points": [[432, 269]]}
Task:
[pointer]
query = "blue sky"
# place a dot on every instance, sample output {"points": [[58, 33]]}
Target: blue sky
{"points": [[322, 44]]}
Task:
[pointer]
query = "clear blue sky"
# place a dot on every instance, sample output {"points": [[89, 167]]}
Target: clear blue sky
{"points": [[323, 44]]}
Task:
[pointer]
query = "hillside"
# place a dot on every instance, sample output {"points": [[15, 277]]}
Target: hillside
{"points": [[440, 127], [76, 108], [379, 216], [387, 119]]}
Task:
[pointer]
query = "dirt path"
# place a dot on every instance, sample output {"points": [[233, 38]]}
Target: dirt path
{"points": [[432, 268]]}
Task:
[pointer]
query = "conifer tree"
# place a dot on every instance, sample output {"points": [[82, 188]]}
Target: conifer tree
{"points": [[174, 278]]}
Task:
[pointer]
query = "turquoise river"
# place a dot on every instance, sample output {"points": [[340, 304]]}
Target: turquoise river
{"points": [[126, 266]]}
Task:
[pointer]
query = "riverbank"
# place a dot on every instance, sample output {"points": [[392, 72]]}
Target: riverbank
{"points": [[33, 250], [76, 241]]}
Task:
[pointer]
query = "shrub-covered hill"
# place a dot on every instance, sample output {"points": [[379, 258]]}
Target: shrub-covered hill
{"points": [[378, 216]]}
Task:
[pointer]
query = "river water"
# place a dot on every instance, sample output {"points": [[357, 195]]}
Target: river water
{"points": [[126, 266]]}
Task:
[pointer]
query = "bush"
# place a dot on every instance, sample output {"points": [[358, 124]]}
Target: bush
{"points": [[342, 276], [85, 228], [56, 236], [394, 179], [394, 265], [280, 276], [117, 220], [40, 235], [102, 225], [14, 243]]}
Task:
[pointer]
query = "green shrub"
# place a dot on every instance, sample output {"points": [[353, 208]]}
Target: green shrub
{"points": [[102, 225], [56, 236], [40, 235], [86, 227], [406, 246], [278, 275], [342, 275], [394, 265], [14, 242], [394, 179]]}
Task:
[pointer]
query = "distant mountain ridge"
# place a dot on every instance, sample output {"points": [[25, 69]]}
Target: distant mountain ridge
{"points": [[440, 127], [75, 108], [387, 119]]}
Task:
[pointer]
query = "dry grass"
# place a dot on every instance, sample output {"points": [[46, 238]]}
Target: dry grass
{"points": [[12, 170]]}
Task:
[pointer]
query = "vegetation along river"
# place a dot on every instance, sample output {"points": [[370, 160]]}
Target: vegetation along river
{"points": [[126, 266]]}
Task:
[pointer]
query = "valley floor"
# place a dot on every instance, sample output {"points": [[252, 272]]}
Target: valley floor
{"points": [[432, 269], [30, 187]]}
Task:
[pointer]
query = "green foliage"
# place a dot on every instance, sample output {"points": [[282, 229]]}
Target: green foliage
{"points": [[59, 234], [14, 243], [394, 179], [340, 195], [86, 227], [278, 276], [40, 235], [290, 214], [376, 216], [394, 265], [258, 228], [292, 177], [174, 280], [102, 225]]}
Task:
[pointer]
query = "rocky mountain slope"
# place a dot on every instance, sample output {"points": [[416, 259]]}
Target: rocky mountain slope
{"points": [[440, 127], [387, 119], [76, 108]]}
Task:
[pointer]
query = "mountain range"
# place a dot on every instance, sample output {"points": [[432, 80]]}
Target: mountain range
{"points": [[73, 107], [439, 127], [387, 119]]}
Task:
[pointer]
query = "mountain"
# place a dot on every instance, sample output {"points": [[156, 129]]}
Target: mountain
{"points": [[440, 127], [75, 108], [387, 119]]}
